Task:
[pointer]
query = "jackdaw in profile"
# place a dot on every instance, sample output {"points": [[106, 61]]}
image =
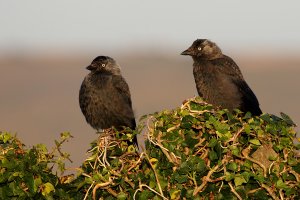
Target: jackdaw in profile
{"points": [[104, 96], [219, 80]]}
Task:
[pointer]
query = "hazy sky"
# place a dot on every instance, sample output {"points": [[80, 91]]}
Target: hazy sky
{"points": [[113, 24]]}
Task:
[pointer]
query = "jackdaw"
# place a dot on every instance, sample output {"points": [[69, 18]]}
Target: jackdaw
{"points": [[219, 80], [104, 96]]}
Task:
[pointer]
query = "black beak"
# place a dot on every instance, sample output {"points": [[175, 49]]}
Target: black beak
{"points": [[90, 67], [187, 52]]}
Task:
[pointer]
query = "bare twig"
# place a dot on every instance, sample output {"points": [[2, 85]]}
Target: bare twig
{"points": [[87, 192], [141, 188], [205, 180], [135, 164], [281, 194], [246, 152], [156, 176], [270, 191], [100, 185], [234, 192], [297, 176]]}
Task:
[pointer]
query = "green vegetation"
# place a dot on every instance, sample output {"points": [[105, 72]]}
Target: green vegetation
{"points": [[192, 152]]}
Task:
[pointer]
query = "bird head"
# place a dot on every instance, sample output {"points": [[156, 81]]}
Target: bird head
{"points": [[104, 64], [203, 48]]}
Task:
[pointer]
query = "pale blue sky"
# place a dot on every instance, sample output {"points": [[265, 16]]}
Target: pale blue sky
{"points": [[113, 24]]}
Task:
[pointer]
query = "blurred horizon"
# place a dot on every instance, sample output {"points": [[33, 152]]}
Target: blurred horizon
{"points": [[39, 92]]}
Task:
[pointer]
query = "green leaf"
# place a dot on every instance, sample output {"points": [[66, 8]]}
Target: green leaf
{"points": [[255, 142], [29, 180], [266, 117], [247, 129], [247, 115], [174, 194], [193, 164], [186, 122], [232, 166], [47, 188], [190, 141], [235, 150], [261, 195], [260, 178], [37, 183], [65, 135], [297, 146], [280, 184], [286, 141], [180, 178], [273, 158], [229, 176], [296, 168], [122, 196], [185, 113], [42, 147], [287, 119], [212, 155], [246, 176], [212, 142], [5, 137], [196, 106], [239, 180]]}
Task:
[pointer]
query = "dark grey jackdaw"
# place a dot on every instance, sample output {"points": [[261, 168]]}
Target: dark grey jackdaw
{"points": [[104, 96], [219, 80]]}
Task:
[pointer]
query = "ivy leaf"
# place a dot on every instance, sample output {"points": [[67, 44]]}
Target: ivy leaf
{"points": [[213, 142], [212, 155], [5, 137], [153, 162], [248, 115], [287, 119], [232, 166], [280, 184], [190, 141], [65, 135], [122, 196], [235, 150], [229, 176], [175, 194], [239, 180], [296, 168], [47, 188], [186, 122], [255, 142], [266, 117]]}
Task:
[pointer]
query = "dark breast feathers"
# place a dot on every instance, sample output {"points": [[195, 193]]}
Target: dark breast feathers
{"points": [[105, 101], [220, 82]]}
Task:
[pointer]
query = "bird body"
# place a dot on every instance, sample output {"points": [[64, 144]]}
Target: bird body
{"points": [[104, 96], [219, 80]]}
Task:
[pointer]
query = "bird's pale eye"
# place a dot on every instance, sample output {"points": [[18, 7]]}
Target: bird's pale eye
{"points": [[103, 65], [199, 48]]}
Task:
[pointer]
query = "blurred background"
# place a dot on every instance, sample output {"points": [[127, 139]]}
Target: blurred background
{"points": [[45, 47]]}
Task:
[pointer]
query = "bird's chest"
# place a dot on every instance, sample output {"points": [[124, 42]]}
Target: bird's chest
{"points": [[100, 88], [101, 82], [212, 84], [206, 77]]}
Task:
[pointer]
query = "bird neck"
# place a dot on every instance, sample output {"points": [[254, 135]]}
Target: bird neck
{"points": [[207, 57], [116, 71], [107, 73]]}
